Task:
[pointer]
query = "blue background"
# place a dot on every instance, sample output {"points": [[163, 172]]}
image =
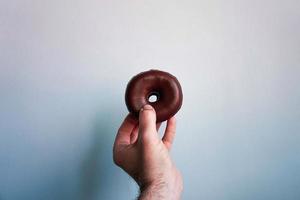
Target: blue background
{"points": [[64, 69]]}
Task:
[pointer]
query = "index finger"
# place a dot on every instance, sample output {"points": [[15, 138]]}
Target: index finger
{"points": [[125, 130]]}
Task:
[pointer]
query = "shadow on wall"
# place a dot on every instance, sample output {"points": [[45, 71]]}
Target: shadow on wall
{"points": [[98, 174]]}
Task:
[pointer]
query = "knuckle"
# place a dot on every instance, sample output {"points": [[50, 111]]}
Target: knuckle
{"points": [[147, 139], [148, 113], [117, 160]]}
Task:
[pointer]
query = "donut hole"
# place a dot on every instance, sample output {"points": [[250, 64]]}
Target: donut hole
{"points": [[153, 97]]}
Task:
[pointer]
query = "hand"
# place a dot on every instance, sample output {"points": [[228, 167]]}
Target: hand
{"points": [[140, 152]]}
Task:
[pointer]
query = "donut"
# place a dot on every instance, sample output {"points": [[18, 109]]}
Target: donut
{"points": [[154, 83]]}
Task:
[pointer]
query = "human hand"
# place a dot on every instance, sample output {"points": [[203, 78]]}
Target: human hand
{"points": [[140, 152]]}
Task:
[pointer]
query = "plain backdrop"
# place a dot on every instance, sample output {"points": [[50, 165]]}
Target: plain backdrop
{"points": [[64, 66]]}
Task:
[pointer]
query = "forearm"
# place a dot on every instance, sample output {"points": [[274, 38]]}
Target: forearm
{"points": [[161, 191], [152, 192]]}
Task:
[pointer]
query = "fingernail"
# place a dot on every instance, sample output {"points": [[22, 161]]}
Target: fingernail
{"points": [[147, 107]]}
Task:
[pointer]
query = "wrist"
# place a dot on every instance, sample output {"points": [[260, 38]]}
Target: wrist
{"points": [[157, 190], [162, 190]]}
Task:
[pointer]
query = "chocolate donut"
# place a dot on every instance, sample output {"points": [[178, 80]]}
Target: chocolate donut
{"points": [[157, 83]]}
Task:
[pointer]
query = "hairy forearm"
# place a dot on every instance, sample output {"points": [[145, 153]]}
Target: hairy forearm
{"points": [[155, 191], [161, 191]]}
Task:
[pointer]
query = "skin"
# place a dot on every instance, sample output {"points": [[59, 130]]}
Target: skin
{"points": [[140, 152]]}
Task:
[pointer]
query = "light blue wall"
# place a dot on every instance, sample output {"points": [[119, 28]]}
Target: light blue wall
{"points": [[65, 65]]}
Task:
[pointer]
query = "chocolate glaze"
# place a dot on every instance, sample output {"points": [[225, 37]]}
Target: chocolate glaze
{"points": [[162, 84]]}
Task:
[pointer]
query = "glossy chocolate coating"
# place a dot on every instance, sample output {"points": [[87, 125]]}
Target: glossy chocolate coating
{"points": [[162, 84]]}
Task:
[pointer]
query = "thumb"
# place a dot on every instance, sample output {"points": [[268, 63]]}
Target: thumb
{"points": [[147, 125]]}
